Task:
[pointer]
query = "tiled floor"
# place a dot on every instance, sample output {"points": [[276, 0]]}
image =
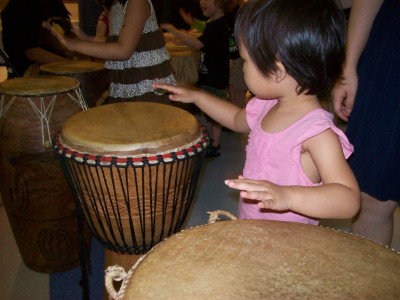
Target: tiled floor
{"points": [[19, 283]]}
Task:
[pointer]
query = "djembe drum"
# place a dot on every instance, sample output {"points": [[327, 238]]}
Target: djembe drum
{"points": [[261, 259], [185, 65], [92, 76], [133, 169], [39, 204]]}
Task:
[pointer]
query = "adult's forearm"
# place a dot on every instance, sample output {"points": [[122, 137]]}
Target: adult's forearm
{"points": [[43, 56], [362, 16]]}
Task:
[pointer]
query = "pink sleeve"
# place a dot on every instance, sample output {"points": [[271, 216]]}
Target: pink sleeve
{"points": [[325, 122], [256, 109]]}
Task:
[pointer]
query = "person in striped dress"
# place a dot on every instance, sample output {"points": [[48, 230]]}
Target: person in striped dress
{"points": [[134, 53]]}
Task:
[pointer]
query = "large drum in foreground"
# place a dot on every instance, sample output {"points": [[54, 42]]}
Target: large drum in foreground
{"points": [[133, 168], [39, 205], [92, 76], [260, 259]]}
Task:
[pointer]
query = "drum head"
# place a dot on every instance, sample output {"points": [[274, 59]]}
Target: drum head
{"points": [[38, 86], [129, 129], [259, 259], [72, 67]]}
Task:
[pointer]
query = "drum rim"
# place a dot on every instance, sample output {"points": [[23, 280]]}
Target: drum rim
{"points": [[74, 85], [45, 67], [197, 148]]}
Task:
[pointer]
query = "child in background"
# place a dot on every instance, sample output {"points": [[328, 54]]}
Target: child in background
{"points": [[296, 168], [214, 70]]}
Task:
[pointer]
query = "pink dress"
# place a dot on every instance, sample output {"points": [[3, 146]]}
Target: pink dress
{"points": [[276, 156]]}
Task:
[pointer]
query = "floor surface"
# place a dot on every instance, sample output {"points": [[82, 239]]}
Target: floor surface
{"points": [[19, 283]]}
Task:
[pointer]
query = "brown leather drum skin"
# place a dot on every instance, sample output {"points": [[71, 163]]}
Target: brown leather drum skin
{"points": [[260, 259], [92, 76], [133, 207], [39, 204]]}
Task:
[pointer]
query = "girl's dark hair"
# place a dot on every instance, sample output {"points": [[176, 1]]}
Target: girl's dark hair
{"points": [[306, 36]]}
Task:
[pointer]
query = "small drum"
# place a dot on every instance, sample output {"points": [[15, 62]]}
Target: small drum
{"points": [[260, 259], [92, 76], [40, 207], [133, 169], [185, 64]]}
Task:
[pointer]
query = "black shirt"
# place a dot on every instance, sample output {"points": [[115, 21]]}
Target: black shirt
{"points": [[214, 71]]}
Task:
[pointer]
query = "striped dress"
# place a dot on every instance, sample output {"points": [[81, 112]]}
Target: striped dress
{"points": [[131, 80]]}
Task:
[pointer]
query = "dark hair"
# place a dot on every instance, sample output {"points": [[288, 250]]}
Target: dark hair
{"points": [[225, 5], [306, 36], [105, 3]]}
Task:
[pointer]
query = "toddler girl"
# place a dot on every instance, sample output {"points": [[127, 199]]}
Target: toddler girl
{"points": [[296, 168]]}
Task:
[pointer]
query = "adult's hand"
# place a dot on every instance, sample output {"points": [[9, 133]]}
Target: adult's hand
{"points": [[344, 93]]}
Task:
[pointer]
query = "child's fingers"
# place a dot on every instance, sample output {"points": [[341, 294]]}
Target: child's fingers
{"points": [[246, 185], [169, 88]]}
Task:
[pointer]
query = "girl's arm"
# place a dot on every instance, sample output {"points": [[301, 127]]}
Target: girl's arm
{"points": [[187, 38], [224, 112], [136, 15], [362, 16], [337, 197]]}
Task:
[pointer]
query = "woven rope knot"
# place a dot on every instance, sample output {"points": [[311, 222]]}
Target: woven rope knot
{"points": [[114, 273], [215, 214]]}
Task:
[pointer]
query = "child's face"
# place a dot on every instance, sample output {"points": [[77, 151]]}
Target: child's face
{"points": [[256, 82], [209, 8]]}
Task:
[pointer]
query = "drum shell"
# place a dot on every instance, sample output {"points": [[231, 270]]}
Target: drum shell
{"points": [[94, 82], [35, 193], [159, 198], [133, 170]]}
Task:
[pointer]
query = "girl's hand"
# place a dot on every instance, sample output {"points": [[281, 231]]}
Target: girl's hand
{"points": [[271, 196], [178, 93], [65, 41]]}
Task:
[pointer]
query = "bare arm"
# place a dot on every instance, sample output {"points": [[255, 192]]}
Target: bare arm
{"points": [[337, 197], [224, 112], [187, 38], [137, 13], [362, 15]]}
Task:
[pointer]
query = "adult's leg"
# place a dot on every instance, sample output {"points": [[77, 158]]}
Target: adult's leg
{"points": [[375, 219]]}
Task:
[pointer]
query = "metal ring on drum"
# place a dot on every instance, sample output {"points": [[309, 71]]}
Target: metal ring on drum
{"points": [[39, 205], [261, 259], [133, 169], [91, 74]]}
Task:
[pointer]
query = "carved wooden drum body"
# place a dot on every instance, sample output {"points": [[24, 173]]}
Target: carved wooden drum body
{"points": [[39, 205], [133, 168], [92, 76], [260, 259]]}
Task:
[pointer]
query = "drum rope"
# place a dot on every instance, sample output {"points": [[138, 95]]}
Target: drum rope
{"points": [[44, 114], [4, 108], [215, 214], [170, 189], [79, 99]]}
